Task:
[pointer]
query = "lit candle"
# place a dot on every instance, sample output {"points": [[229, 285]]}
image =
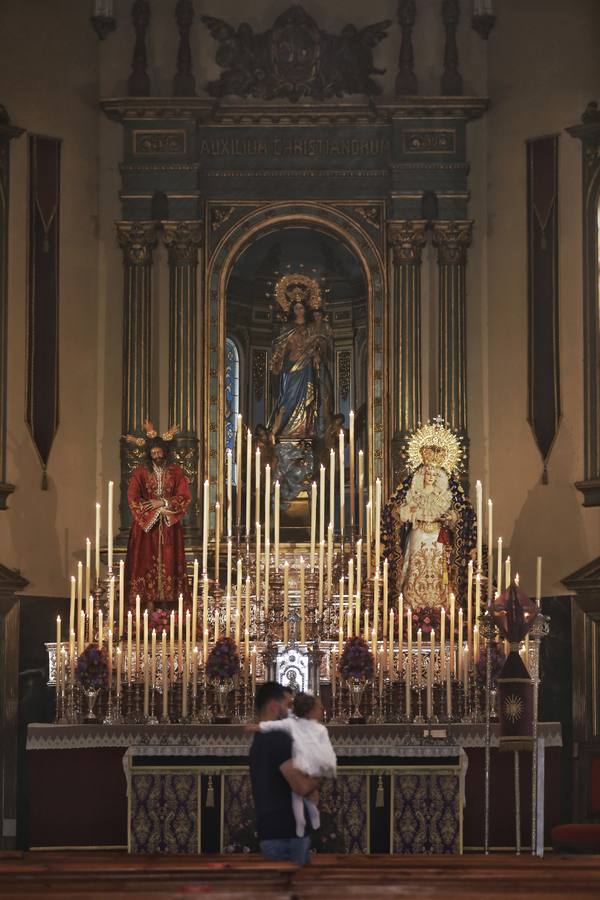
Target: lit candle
{"points": [[195, 602], [98, 541], [72, 606], [257, 484], [111, 602], [172, 639], [146, 668], [254, 664], [109, 655], [476, 645], [452, 632], [430, 674], [100, 628], [88, 568], [194, 672], [538, 581], [266, 587], [466, 667], [332, 485], [247, 610], [376, 602], [188, 638], [302, 603], [507, 578], [408, 684], [341, 600], [217, 541], [153, 661], [165, 676], [138, 629], [350, 595], [385, 596], [205, 508], [419, 658], [313, 524], [391, 643], [205, 602], [341, 451], [499, 567], [238, 585], [329, 559], [248, 478], [477, 601], [205, 645], [129, 644], [58, 653], [238, 472], [80, 594], [90, 619], [490, 566], [267, 502], [369, 541], [229, 456], [286, 571], [257, 560], [246, 653], [442, 645], [377, 523], [119, 669], [227, 617], [321, 574], [81, 633], [276, 522], [352, 485], [459, 643], [479, 502], [361, 490], [401, 621], [333, 673], [121, 596], [366, 631], [470, 599], [110, 524], [322, 503], [229, 565], [72, 653]]}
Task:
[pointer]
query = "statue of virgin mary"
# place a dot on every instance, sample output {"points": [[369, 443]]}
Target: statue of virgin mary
{"points": [[429, 523], [303, 403]]}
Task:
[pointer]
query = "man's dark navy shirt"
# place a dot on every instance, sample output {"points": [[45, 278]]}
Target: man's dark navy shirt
{"points": [[272, 794]]}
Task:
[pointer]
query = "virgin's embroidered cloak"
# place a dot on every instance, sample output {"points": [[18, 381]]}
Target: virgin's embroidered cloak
{"points": [[155, 567]]}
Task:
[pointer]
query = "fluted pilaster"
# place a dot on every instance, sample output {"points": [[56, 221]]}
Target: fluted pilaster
{"points": [[452, 240], [406, 239], [183, 240], [137, 241]]}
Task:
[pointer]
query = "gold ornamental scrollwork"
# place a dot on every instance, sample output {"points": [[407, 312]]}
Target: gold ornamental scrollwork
{"points": [[137, 241], [182, 240], [452, 239], [407, 239]]}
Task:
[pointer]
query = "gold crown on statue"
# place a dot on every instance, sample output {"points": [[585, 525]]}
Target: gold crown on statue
{"points": [[151, 433], [435, 444], [298, 287]]}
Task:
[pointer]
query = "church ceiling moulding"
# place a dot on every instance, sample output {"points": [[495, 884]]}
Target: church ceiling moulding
{"points": [[295, 59]]}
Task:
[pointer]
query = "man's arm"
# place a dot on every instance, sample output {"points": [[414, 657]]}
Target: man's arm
{"points": [[299, 782]]}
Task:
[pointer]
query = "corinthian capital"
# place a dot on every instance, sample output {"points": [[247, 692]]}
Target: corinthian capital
{"points": [[452, 239], [137, 240], [182, 240], [407, 239]]}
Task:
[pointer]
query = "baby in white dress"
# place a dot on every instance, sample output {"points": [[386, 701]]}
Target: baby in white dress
{"points": [[311, 751]]}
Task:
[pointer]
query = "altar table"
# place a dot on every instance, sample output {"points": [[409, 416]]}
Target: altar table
{"points": [[186, 788]]}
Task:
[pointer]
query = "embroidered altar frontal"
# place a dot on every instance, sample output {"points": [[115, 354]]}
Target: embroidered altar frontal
{"points": [[198, 808]]}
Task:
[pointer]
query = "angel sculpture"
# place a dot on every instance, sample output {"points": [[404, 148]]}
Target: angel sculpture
{"points": [[429, 524]]}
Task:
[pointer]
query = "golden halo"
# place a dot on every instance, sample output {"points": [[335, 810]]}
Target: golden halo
{"points": [[436, 444], [296, 286]]}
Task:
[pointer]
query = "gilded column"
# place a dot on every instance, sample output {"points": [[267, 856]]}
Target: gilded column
{"points": [[406, 239], [452, 239], [137, 241], [183, 240]]}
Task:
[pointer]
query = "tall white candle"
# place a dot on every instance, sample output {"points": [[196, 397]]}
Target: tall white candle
{"points": [[499, 567], [229, 491], [121, 597], [313, 523], [110, 524], [538, 581], [72, 606], [286, 575], [205, 508], [267, 502], [238, 472], [479, 503], [507, 578], [332, 485], [217, 542], [257, 561], [322, 503], [341, 451], [88, 569], [361, 490], [195, 602], [248, 478], [302, 603], [377, 523], [229, 565], [490, 565], [257, 485], [352, 485], [98, 508], [276, 522]]}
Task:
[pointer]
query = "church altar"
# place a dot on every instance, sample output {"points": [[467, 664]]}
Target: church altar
{"points": [[185, 789]]}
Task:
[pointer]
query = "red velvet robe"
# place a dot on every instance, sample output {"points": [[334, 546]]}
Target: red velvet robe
{"points": [[155, 567]]}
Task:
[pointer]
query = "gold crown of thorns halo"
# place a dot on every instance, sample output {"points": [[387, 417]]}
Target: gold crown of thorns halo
{"points": [[435, 444], [151, 433], [298, 287]]}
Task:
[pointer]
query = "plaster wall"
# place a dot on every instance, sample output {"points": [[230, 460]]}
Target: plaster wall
{"points": [[49, 79], [543, 70]]}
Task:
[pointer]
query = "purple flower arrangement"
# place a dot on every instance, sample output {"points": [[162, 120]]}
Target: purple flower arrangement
{"points": [[426, 618], [498, 658], [356, 660], [92, 668], [223, 660]]}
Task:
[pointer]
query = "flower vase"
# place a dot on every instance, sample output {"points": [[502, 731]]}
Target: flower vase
{"points": [[356, 689], [91, 695], [223, 688]]}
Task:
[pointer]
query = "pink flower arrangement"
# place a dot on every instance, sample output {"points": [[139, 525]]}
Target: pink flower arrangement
{"points": [[426, 618], [92, 667], [356, 660]]}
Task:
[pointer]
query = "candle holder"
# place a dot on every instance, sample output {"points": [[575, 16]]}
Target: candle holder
{"points": [[108, 718]]}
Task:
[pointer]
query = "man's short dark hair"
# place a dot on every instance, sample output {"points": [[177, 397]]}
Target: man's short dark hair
{"points": [[287, 690], [270, 690]]}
